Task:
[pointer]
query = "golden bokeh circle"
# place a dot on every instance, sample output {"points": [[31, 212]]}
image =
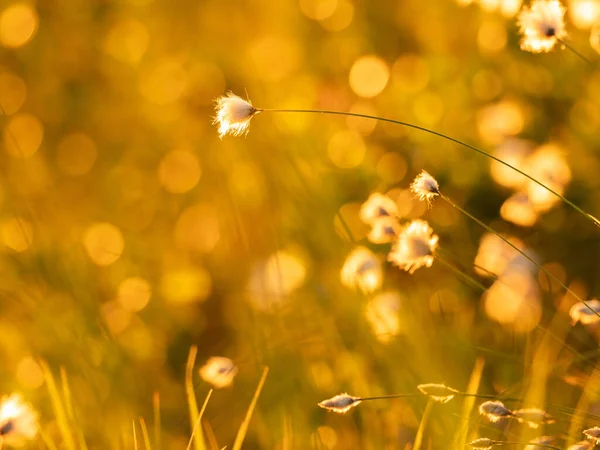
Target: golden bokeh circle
{"points": [[18, 24]]}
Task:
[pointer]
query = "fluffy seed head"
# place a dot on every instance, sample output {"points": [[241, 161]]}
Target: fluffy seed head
{"points": [[414, 247], [541, 25], [438, 392], [233, 115], [219, 371], [494, 410], [593, 434], [579, 312], [341, 403], [385, 229], [377, 206], [362, 270], [533, 417], [18, 421], [483, 444], [425, 187], [536, 443]]}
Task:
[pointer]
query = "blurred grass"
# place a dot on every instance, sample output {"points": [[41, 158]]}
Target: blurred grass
{"points": [[130, 233]]}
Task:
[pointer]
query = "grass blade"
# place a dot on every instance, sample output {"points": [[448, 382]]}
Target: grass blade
{"points": [[239, 439], [198, 437], [135, 443], [71, 410], [145, 435], [422, 425], [58, 407], [157, 425], [469, 403], [198, 423]]}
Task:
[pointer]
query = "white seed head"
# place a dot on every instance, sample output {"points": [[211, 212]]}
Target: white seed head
{"points": [[219, 371], [538, 442], [18, 421], [533, 417], [362, 270], [586, 313], [233, 115], [483, 444], [593, 434], [494, 410], [414, 247], [385, 229], [438, 392], [341, 403], [377, 206], [425, 187], [541, 25]]}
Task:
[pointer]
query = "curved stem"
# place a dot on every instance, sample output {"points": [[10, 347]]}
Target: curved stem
{"points": [[575, 52], [444, 136], [460, 273], [527, 443], [392, 396], [531, 260]]}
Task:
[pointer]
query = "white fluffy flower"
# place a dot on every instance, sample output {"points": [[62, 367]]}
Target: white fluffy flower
{"points": [[542, 25], [233, 114]]}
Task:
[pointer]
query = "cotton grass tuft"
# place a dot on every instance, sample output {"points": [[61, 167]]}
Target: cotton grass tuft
{"points": [[414, 247], [542, 25], [438, 392], [341, 403], [494, 410], [233, 115]]}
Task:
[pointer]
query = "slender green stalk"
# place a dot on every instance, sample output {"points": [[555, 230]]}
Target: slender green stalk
{"points": [[58, 406], [198, 422], [135, 441], [526, 443], [460, 439], [145, 434], [241, 434], [531, 260], [443, 136], [575, 52], [460, 273], [422, 425], [156, 414], [198, 437]]}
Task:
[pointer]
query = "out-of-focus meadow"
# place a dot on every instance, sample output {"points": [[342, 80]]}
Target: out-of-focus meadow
{"points": [[130, 232]]}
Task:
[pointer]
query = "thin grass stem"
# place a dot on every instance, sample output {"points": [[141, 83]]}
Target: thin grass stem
{"points": [[145, 434], [527, 443], [135, 442], [443, 136], [241, 434], [157, 424], [574, 51], [531, 260], [58, 407], [422, 425], [460, 273], [199, 420], [460, 439], [198, 438]]}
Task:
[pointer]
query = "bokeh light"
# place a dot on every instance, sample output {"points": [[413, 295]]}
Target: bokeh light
{"points": [[23, 135], [104, 243], [179, 171], [369, 75], [18, 24]]}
